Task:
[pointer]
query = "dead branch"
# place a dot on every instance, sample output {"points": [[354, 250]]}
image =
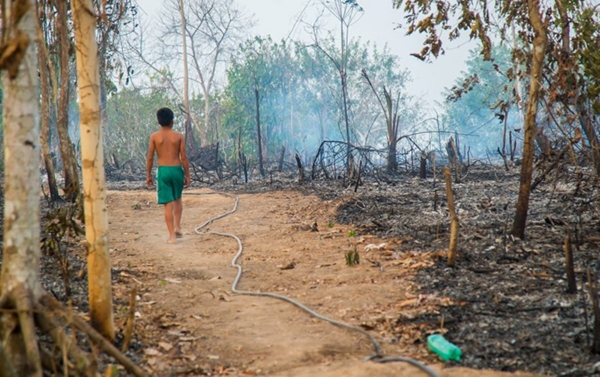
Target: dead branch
{"points": [[95, 336], [83, 362], [552, 166]]}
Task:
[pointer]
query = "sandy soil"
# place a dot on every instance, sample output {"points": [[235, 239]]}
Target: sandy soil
{"points": [[190, 323]]}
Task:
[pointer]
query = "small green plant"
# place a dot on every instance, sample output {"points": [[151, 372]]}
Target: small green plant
{"points": [[352, 257], [352, 233], [331, 224], [136, 206]]}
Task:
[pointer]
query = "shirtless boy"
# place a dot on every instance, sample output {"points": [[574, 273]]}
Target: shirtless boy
{"points": [[173, 173]]}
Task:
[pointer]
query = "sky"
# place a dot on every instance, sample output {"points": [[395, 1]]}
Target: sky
{"points": [[378, 24]]}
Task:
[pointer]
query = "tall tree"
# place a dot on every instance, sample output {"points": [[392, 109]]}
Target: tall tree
{"points": [[70, 169], [578, 77], [117, 21], [430, 17], [92, 155], [19, 283], [131, 124], [45, 98], [189, 135], [212, 29], [347, 14], [299, 85], [539, 44]]}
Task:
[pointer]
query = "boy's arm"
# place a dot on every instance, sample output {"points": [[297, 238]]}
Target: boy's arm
{"points": [[184, 162], [149, 162]]}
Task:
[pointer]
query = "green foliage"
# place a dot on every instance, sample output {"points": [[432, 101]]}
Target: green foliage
{"points": [[475, 106], [59, 223], [300, 95], [132, 118], [587, 30], [352, 233]]}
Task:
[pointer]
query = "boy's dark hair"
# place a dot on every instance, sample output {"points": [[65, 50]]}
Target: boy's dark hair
{"points": [[165, 116]]}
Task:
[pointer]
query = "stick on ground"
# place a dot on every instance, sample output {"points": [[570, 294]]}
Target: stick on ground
{"points": [[130, 319]]}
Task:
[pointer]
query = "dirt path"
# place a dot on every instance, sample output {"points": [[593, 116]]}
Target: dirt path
{"points": [[189, 322]]}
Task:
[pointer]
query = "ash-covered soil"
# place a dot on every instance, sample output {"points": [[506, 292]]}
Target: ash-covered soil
{"points": [[509, 310]]}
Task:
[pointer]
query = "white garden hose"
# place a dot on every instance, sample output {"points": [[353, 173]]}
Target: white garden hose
{"points": [[377, 357]]}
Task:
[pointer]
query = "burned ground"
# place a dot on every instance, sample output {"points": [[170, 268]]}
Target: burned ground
{"points": [[504, 303]]}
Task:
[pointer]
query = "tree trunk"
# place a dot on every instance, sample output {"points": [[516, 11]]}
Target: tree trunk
{"points": [[19, 281], [346, 120], [539, 49], [258, 133], [392, 131], [45, 113], [204, 133], [590, 133], [104, 102], [62, 121], [94, 191], [584, 117], [392, 162], [189, 131]]}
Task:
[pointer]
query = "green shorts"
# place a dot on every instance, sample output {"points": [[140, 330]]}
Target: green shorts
{"points": [[169, 183]]}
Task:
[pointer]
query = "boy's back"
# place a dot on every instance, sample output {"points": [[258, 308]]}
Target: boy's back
{"points": [[168, 145]]}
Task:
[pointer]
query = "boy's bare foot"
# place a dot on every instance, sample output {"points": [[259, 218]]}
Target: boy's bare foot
{"points": [[171, 241], [178, 234]]}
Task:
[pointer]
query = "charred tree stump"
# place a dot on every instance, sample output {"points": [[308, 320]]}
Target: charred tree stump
{"points": [[423, 167], [453, 158], [358, 176], [513, 146], [244, 165], [453, 219], [300, 170], [571, 282]]}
